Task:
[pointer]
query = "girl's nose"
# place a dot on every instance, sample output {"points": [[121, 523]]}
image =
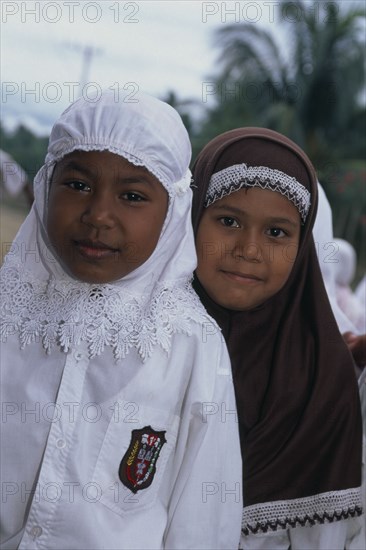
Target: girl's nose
{"points": [[99, 212], [248, 249]]}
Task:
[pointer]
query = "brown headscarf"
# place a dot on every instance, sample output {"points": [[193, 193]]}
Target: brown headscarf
{"points": [[297, 396]]}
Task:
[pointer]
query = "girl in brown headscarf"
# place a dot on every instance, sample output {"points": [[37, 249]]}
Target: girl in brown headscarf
{"points": [[255, 201]]}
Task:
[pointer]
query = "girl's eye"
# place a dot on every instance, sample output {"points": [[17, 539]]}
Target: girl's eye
{"points": [[132, 197], [78, 186], [275, 232], [229, 222]]}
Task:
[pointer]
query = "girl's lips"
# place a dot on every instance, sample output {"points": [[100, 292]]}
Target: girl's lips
{"points": [[244, 278], [95, 249]]}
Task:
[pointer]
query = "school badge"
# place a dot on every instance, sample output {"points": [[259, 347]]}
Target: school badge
{"points": [[138, 465]]}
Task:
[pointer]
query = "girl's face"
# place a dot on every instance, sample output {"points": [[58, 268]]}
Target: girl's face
{"points": [[246, 245], [105, 215]]}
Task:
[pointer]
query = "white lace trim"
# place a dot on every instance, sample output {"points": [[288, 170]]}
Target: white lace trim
{"points": [[235, 177], [282, 514], [63, 314], [179, 187]]}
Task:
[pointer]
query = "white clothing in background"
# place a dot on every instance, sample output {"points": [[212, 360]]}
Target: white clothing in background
{"points": [[345, 269], [327, 254], [12, 175], [360, 291]]}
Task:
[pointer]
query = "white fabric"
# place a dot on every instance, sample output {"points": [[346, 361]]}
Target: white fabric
{"points": [[360, 291], [352, 307], [40, 311], [360, 295], [344, 272], [83, 415], [143, 133], [235, 177], [301, 512], [339, 535], [326, 250], [13, 176], [89, 389], [345, 267]]}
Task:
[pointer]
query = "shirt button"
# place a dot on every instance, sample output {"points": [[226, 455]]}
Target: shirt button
{"points": [[78, 356], [36, 532], [61, 443]]}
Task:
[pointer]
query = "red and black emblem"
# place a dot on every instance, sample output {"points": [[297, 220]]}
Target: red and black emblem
{"points": [[138, 466]]}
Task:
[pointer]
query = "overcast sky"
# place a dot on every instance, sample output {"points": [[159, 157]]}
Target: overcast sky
{"points": [[156, 46]]}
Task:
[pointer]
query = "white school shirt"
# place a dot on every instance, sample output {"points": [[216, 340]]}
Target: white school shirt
{"points": [[67, 423]]}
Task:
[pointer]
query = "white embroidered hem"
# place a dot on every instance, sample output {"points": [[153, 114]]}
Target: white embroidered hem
{"points": [[315, 509]]}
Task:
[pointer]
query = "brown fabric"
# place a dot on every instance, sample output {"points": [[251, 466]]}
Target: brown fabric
{"points": [[297, 396]]}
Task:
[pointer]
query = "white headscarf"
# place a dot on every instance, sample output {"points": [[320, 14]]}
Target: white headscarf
{"points": [[41, 302], [326, 248], [345, 267]]}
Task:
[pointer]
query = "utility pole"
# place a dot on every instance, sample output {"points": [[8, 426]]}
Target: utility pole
{"points": [[88, 53]]}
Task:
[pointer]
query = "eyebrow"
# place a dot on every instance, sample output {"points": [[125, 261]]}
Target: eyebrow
{"points": [[284, 220], [240, 212], [73, 165]]}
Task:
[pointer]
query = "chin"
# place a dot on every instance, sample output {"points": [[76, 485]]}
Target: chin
{"points": [[89, 277], [234, 305]]}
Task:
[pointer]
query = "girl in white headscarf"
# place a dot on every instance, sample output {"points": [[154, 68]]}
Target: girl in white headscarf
{"points": [[345, 269], [119, 423], [326, 250]]}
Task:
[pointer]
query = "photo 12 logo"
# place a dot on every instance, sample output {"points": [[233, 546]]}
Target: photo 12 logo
{"points": [[53, 92], [272, 11], [70, 12]]}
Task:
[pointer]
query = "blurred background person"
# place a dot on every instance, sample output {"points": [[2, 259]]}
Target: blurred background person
{"points": [[345, 269], [13, 178]]}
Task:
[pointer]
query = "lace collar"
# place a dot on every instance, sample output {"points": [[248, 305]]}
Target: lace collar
{"points": [[64, 313]]}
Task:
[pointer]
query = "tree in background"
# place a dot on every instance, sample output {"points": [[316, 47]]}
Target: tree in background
{"points": [[310, 88], [25, 148], [307, 82], [183, 107]]}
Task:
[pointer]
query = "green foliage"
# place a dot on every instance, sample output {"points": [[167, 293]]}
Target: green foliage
{"points": [[25, 148], [345, 186], [182, 106], [310, 90]]}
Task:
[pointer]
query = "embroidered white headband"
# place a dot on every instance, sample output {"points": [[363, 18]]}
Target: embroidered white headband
{"points": [[235, 177]]}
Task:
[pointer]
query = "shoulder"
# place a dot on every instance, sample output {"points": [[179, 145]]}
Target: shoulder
{"points": [[181, 303]]}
